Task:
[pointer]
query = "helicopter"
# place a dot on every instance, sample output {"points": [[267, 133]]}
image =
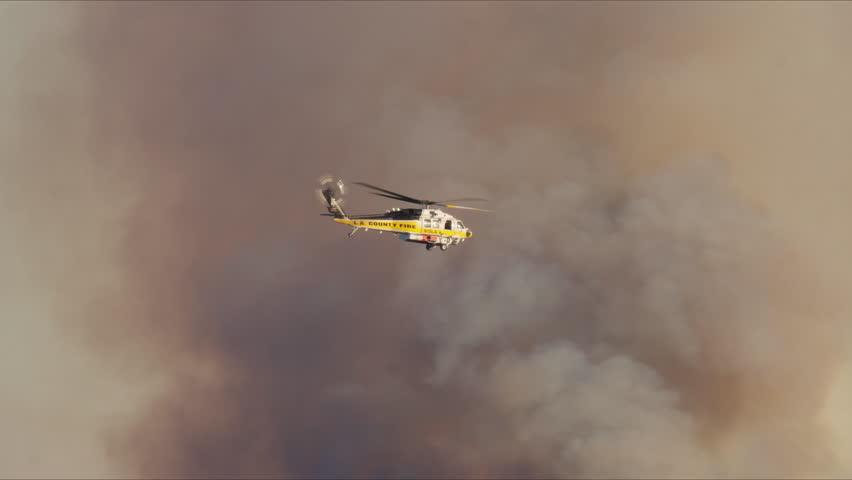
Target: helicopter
{"points": [[425, 225]]}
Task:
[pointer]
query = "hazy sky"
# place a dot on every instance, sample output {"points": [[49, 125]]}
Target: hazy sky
{"points": [[661, 291]]}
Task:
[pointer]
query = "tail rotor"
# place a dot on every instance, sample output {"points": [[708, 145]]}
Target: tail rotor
{"points": [[330, 193]]}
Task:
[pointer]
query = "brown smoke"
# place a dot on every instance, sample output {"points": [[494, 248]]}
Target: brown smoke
{"points": [[657, 293]]}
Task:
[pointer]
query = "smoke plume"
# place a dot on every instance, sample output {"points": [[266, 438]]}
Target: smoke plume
{"points": [[659, 292]]}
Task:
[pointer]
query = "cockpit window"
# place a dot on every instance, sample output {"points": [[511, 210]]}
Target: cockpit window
{"points": [[461, 225]]}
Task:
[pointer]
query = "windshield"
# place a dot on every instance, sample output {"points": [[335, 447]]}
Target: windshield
{"points": [[461, 225]]}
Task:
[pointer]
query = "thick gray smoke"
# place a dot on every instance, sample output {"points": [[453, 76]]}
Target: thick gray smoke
{"points": [[631, 309], [603, 316]]}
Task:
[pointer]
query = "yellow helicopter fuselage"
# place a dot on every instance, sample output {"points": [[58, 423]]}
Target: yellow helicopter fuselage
{"points": [[433, 228]]}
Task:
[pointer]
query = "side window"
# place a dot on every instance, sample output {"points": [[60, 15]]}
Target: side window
{"points": [[448, 225]]}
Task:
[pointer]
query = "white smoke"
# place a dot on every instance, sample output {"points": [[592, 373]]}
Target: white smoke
{"points": [[631, 326]]}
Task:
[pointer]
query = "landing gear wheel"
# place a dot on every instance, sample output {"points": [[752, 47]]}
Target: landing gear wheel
{"points": [[443, 247]]}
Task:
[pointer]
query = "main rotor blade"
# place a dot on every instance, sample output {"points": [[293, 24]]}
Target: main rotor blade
{"points": [[463, 207], [406, 198], [397, 198], [398, 195], [463, 200]]}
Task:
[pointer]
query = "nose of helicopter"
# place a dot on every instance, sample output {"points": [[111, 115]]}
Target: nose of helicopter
{"points": [[469, 233]]}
